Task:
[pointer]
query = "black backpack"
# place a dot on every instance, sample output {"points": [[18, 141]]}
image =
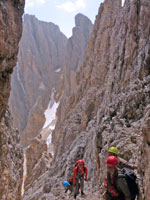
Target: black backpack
{"points": [[130, 177]]}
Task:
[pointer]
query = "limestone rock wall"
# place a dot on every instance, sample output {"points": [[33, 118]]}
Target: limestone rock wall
{"points": [[74, 55], [75, 52], [10, 33], [11, 157], [38, 162], [11, 160], [38, 71]]}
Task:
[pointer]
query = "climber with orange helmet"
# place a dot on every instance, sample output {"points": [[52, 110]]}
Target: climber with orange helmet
{"points": [[115, 185], [113, 151], [79, 174]]}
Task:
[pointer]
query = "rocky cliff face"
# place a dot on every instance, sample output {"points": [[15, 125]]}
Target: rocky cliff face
{"points": [[75, 52], [111, 105], [37, 72], [37, 162], [10, 33], [11, 158], [74, 56]]}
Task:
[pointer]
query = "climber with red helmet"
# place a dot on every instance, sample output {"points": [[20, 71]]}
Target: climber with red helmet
{"points": [[116, 186], [79, 174], [113, 151]]}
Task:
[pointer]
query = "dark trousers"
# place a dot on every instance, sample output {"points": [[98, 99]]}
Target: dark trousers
{"points": [[76, 187]]}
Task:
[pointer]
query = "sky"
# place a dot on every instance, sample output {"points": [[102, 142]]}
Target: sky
{"points": [[62, 12]]}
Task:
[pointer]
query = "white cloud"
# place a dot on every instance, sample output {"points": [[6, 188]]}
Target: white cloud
{"points": [[70, 6], [31, 3]]}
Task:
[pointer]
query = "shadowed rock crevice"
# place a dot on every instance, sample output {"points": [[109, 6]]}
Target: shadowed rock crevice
{"points": [[11, 158]]}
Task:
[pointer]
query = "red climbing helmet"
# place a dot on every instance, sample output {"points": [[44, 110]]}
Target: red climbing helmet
{"points": [[80, 162], [112, 161]]}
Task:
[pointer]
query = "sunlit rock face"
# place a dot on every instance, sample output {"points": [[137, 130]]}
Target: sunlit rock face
{"points": [[39, 68], [11, 157], [75, 52], [74, 56], [111, 105]]}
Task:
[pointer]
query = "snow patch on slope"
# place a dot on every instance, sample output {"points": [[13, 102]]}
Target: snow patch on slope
{"points": [[58, 70], [123, 1], [49, 140], [24, 174], [50, 115]]}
